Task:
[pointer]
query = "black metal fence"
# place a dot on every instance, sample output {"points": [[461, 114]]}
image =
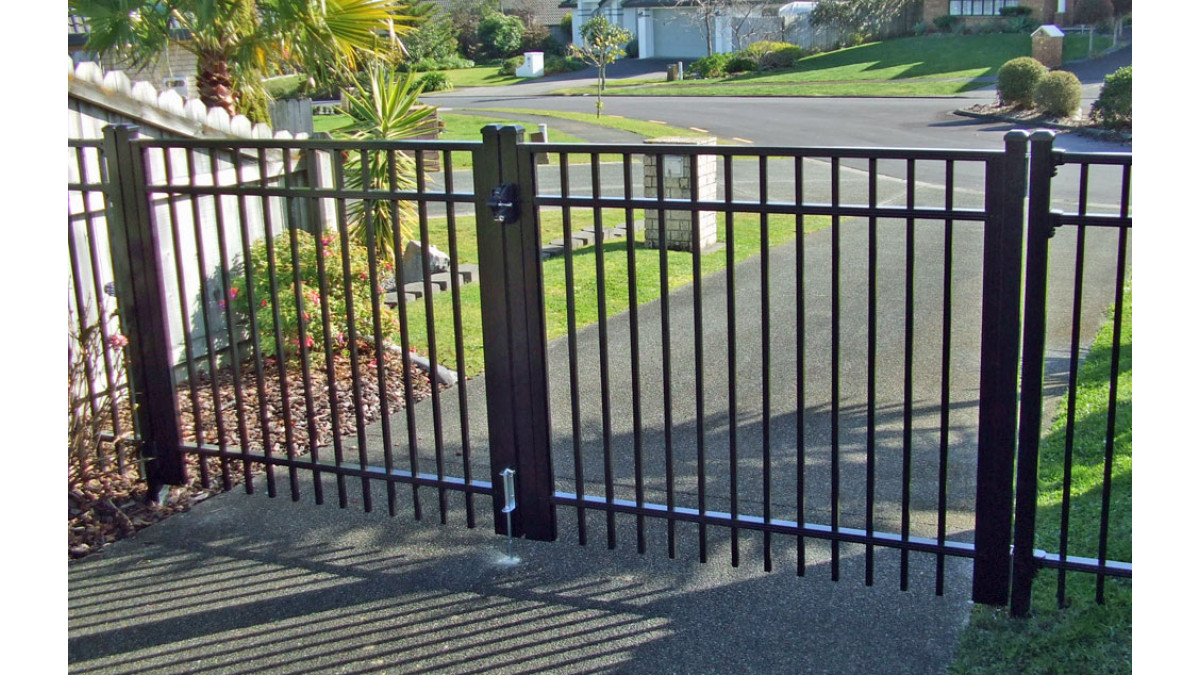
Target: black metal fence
{"points": [[807, 353]]}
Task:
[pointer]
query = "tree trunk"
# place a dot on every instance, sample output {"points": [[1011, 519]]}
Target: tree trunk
{"points": [[215, 83]]}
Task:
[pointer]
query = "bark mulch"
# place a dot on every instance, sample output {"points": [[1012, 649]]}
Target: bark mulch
{"points": [[108, 501]]}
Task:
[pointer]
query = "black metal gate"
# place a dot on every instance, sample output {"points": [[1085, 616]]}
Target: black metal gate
{"points": [[802, 345]]}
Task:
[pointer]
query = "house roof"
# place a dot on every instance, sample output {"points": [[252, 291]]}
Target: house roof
{"points": [[547, 11]]}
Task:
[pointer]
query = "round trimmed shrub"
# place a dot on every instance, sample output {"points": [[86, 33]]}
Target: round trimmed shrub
{"points": [[509, 66], [1114, 107], [434, 81], [710, 66], [1018, 80], [740, 64], [1059, 94]]}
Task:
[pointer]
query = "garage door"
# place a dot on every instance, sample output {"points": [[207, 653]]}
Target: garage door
{"points": [[678, 34]]}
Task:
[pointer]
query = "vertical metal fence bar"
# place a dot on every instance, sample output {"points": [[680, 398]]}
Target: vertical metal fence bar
{"points": [[381, 380], [280, 354], [81, 312], [1113, 375], [602, 324], [999, 356], [1072, 384], [226, 304], [800, 305], [439, 445], [314, 227], [340, 183], [264, 419], [635, 366], [944, 438], [910, 235], [835, 370], [324, 293], [81, 319], [134, 245], [698, 337], [464, 420], [95, 257], [205, 298], [731, 353], [410, 418], [765, 282], [1037, 249], [188, 353], [872, 301], [302, 320], [572, 346], [665, 311]]}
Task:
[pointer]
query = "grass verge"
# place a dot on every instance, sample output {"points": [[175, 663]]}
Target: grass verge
{"points": [[932, 65], [585, 288], [1083, 637]]}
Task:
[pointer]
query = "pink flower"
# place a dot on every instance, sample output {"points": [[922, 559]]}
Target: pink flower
{"points": [[233, 292], [118, 341]]}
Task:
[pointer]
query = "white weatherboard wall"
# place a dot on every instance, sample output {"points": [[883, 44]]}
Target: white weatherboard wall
{"points": [[194, 228]]}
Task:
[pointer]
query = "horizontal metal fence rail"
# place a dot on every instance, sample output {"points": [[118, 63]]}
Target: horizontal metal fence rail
{"points": [[243, 223], [583, 182], [1103, 254]]}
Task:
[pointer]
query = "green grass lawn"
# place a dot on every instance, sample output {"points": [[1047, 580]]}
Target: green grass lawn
{"points": [[480, 76], [913, 66], [1084, 637], [585, 287]]}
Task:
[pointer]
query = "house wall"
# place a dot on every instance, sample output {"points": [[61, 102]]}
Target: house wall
{"points": [[177, 62], [1043, 10]]}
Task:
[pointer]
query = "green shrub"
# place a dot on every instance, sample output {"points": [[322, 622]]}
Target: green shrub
{"points": [[509, 66], [562, 64], [312, 295], [452, 62], [1018, 80], [500, 35], [1114, 107], [947, 22], [565, 24], [631, 49], [1017, 11], [1059, 94], [708, 67], [740, 64], [434, 81]]}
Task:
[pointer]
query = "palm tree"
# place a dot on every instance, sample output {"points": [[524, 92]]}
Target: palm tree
{"points": [[386, 108], [238, 42]]}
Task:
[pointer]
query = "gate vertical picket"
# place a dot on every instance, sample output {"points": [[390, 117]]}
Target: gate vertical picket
{"points": [[1041, 228], [999, 358], [514, 335], [137, 277]]}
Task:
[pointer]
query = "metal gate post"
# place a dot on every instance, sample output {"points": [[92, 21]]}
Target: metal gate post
{"points": [[999, 358], [1041, 228], [137, 278], [514, 336]]}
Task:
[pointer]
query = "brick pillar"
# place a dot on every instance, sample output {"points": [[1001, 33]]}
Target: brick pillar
{"points": [[678, 183]]}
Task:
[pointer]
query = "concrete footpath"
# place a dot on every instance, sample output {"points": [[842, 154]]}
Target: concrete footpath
{"points": [[246, 583]]}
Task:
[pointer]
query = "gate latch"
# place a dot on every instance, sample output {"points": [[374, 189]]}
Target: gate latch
{"points": [[504, 204]]}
